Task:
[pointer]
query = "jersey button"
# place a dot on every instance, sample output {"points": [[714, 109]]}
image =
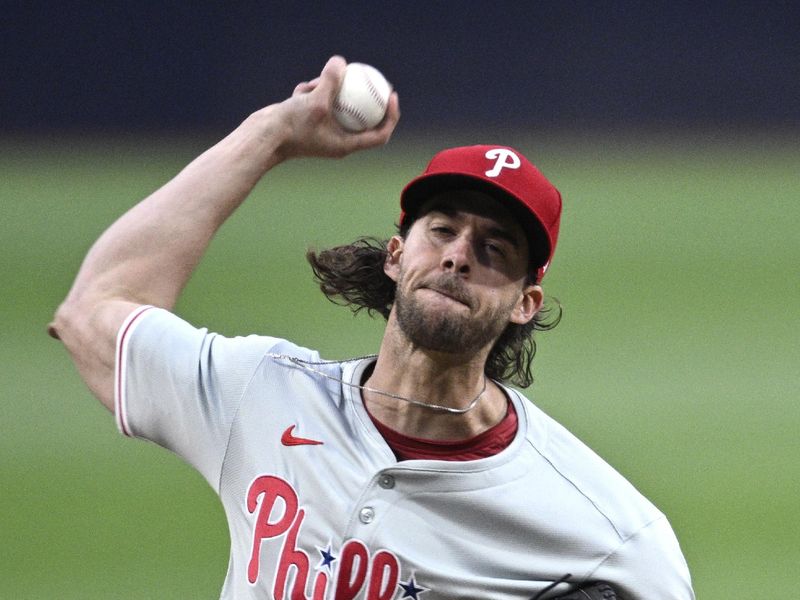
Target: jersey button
{"points": [[366, 515], [386, 482]]}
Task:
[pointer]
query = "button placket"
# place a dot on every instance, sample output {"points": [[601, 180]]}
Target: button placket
{"points": [[366, 515], [379, 495]]}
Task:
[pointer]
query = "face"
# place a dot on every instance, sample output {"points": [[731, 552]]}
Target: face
{"points": [[461, 274]]}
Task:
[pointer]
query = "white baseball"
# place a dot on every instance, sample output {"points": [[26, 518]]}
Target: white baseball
{"points": [[363, 98]]}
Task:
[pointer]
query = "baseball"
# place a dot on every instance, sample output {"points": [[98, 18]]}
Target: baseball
{"points": [[363, 98]]}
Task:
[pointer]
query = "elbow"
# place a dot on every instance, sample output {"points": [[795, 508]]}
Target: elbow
{"points": [[65, 322], [52, 330], [88, 331], [57, 327]]}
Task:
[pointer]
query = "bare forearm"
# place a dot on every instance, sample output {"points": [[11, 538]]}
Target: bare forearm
{"points": [[148, 255]]}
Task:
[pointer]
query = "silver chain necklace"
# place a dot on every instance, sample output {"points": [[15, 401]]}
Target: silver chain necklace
{"points": [[309, 366]]}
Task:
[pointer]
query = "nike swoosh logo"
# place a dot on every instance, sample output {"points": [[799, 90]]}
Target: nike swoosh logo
{"points": [[289, 439]]}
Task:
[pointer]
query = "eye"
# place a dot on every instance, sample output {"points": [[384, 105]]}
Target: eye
{"points": [[442, 230], [495, 248]]}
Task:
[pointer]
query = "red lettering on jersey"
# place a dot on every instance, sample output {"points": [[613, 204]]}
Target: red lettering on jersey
{"points": [[384, 573], [291, 556], [383, 576], [320, 586], [268, 495], [349, 582], [271, 488]]}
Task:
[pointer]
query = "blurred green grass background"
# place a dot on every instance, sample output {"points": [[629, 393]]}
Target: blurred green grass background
{"points": [[677, 359]]}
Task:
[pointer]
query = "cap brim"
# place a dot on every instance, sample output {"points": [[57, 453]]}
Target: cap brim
{"points": [[424, 187]]}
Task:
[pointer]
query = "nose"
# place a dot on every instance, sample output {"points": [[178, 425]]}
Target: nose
{"points": [[458, 256]]}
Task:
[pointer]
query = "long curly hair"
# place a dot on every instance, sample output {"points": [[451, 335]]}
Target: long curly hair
{"points": [[352, 275]]}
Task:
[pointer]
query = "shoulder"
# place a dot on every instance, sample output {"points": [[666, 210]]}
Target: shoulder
{"points": [[614, 497], [155, 330]]}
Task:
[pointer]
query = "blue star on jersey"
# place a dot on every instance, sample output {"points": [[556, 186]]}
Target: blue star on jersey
{"points": [[410, 589], [327, 559]]}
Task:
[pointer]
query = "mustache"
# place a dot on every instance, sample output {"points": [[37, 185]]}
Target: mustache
{"points": [[450, 286]]}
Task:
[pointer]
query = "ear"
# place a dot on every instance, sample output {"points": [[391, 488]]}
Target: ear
{"points": [[394, 250], [529, 303]]}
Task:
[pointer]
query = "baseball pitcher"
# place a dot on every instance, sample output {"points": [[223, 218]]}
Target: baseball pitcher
{"points": [[415, 472]]}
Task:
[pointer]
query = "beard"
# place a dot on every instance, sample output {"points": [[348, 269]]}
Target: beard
{"points": [[453, 331]]}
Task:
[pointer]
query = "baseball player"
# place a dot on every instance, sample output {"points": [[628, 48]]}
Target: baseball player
{"points": [[414, 473]]}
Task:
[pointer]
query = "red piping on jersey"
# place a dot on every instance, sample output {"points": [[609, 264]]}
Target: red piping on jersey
{"points": [[120, 366]]}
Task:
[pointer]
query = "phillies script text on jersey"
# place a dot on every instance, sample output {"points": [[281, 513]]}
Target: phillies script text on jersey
{"points": [[356, 571]]}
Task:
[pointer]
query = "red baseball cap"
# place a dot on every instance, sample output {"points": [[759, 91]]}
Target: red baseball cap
{"points": [[504, 174]]}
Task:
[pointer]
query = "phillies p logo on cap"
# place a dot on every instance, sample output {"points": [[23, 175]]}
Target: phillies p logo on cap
{"points": [[505, 159], [503, 173]]}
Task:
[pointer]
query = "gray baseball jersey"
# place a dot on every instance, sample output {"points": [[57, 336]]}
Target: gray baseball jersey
{"points": [[318, 507]]}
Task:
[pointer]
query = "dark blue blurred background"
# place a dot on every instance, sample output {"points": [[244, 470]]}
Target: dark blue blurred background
{"points": [[177, 66]]}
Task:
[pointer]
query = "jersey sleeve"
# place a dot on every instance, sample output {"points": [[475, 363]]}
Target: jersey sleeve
{"points": [[649, 566], [179, 386]]}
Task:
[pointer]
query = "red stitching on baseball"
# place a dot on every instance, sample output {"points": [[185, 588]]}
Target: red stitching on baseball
{"points": [[349, 109], [376, 94]]}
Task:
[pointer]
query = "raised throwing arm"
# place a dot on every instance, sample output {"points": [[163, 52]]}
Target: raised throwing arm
{"points": [[148, 254]]}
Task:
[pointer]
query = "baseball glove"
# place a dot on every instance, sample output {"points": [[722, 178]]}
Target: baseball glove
{"points": [[594, 590], [597, 590]]}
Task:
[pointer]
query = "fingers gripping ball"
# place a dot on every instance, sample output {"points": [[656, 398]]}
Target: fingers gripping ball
{"points": [[363, 98]]}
